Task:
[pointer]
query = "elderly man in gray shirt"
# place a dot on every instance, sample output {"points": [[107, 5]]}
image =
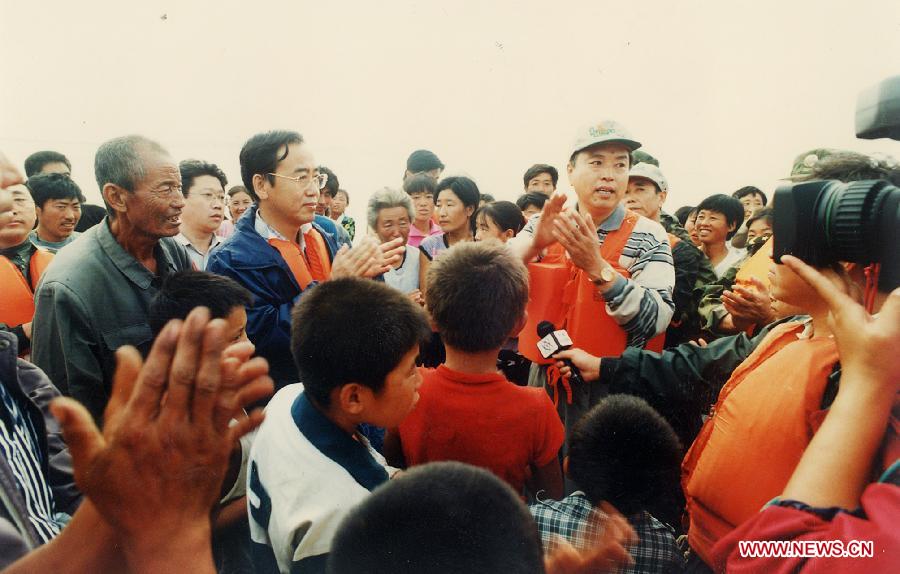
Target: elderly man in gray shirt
{"points": [[94, 298]]}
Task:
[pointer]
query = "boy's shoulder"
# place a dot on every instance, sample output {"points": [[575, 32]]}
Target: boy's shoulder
{"points": [[496, 390], [298, 493], [287, 435]]}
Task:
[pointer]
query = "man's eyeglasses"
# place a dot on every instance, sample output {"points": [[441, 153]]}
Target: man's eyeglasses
{"points": [[305, 181]]}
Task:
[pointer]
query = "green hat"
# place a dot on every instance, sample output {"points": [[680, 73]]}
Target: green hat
{"points": [[804, 162], [641, 156]]}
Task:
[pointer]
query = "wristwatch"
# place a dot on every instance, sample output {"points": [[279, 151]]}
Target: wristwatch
{"points": [[606, 275]]}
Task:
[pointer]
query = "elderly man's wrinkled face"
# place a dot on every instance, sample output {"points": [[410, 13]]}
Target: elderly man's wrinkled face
{"points": [[154, 207]]}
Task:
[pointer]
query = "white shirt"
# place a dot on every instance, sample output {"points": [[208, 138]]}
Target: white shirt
{"points": [[267, 232], [733, 256], [301, 493], [406, 277]]}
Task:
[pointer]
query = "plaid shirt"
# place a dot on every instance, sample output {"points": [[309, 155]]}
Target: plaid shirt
{"points": [[570, 518]]}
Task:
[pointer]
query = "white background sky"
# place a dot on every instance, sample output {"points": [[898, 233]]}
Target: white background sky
{"points": [[724, 93]]}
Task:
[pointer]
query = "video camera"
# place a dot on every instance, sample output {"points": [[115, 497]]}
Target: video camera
{"points": [[822, 222]]}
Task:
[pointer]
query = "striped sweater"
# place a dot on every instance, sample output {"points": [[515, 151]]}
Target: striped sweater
{"points": [[642, 304]]}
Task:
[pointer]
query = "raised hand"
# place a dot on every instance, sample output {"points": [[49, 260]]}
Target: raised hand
{"points": [[155, 472], [605, 553]]}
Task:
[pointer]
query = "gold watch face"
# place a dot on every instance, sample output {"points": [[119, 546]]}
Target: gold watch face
{"points": [[607, 274]]}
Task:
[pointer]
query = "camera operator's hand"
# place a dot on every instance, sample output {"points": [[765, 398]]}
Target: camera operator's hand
{"points": [[837, 464], [868, 345], [749, 306], [155, 472], [588, 364]]}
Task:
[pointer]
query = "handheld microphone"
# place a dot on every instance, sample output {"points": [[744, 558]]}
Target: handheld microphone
{"points": [[553, 341]]}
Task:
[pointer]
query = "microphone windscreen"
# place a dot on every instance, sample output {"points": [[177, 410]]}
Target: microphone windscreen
{"points": [[544, 328]]}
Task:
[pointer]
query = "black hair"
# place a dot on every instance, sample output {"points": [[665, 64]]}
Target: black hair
{"points": [[333, 184], [191, 169], [476, 295], [766, 213], [505, 215], [682, 214], [423, 160], [533, 198], [45, 187], [464, 188], [750, 190], [487, 198], [36, 161], [352, 330], [183, 291], [419, 183], [234, 190], [727, 206], [442, 517], [261, 154], [624, 452], [91, 215], [539, 168]]}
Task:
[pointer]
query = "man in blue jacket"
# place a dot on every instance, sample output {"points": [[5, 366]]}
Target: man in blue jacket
{"points": [[280, 249]]}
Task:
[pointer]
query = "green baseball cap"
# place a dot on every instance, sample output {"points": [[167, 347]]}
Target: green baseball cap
{"points": [[804, 162], [640, 156]]}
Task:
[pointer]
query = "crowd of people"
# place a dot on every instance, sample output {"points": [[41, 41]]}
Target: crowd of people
{"points": [[201, 378]]}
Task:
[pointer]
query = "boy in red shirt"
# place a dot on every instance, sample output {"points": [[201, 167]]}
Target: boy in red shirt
{"points": [[467, 410]]}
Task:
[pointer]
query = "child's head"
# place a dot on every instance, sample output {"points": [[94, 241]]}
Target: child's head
{"points": [[445, 517], [624, 452], [500, 220], [182, 291], [531, 203], [355, 343], [476, 296]]}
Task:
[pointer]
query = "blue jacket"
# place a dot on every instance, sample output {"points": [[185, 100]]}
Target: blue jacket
{"points": [[249, 259]]}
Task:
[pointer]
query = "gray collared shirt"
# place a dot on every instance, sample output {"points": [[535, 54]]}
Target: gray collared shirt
{"points": [[198, 259], [92, 300]]}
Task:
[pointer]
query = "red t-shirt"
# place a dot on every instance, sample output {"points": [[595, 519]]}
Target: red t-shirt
{"points": [[483, 420]]}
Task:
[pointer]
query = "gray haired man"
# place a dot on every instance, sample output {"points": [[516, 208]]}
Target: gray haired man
{"points": [[94, 299]]}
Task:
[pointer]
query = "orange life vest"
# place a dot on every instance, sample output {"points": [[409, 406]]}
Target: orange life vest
{"points": [[763, 420], [314, 266], [563, 294], [17, 299]]}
